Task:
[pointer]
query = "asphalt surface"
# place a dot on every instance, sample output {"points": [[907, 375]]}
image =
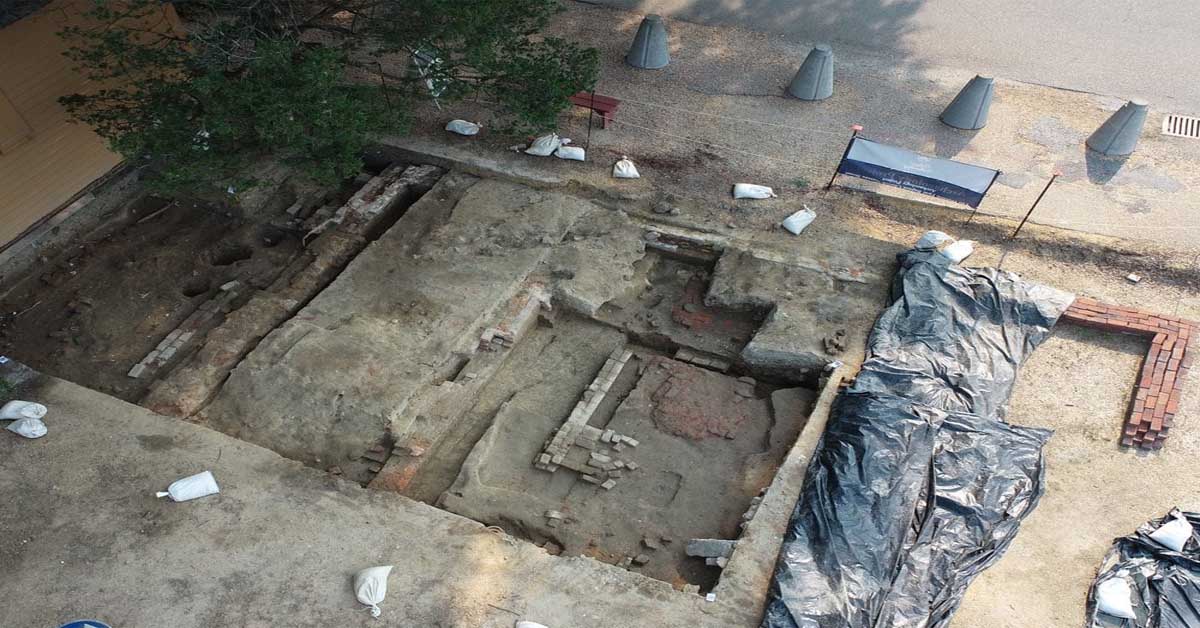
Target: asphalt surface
{"points": [[1131, 48]]}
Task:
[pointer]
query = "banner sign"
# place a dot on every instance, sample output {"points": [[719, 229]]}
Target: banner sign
{"points": [[903, 168]]}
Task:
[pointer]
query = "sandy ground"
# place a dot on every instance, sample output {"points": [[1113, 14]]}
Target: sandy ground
{"points": [[717, 115], [84, 536], [283, 539]]}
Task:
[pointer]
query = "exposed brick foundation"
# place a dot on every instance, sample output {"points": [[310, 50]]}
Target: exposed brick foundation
{"points": [[1160, 383]]}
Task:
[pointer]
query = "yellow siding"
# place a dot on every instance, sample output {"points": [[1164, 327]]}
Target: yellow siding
{"points": [[40, 174]]}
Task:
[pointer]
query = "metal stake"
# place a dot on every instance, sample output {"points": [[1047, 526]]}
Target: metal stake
{"points": [[856, 128], [1029, 213]]}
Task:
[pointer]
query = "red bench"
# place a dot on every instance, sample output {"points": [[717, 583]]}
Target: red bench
{"points": [[603, 105]]}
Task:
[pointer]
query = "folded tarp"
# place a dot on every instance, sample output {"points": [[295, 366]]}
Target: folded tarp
{"points": [[918, 483]]}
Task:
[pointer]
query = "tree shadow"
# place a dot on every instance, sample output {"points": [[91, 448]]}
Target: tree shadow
{"points": [[877, 83], [861, 23]]}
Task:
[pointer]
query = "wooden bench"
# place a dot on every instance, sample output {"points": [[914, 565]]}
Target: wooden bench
{"points": [[604, 105]]}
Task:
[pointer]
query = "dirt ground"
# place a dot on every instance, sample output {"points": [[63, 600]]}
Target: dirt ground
{"points": [[93, 312], [708, 444]]}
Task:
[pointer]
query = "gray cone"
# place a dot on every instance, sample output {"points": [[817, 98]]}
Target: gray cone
{"points": [[649, 49], [969, 109], [814, 81], [1120, 132]]}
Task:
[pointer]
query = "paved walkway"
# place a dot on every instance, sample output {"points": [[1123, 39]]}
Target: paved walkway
{"points": [[1136, 47]]}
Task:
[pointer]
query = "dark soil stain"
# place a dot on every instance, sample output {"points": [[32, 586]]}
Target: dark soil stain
{"points": [[90, 313], [156, 442]]}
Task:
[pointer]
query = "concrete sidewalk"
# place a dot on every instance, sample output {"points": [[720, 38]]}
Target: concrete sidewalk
{"points": [[718, 115], [1102, 47]]}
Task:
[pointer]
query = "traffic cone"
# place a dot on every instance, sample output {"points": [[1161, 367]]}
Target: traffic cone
{"points": [[814, 81], [1119, 134], [969, 109], [649, 49]]}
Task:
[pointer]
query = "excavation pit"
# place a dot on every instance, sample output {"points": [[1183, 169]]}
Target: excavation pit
{"points": [[624, 436]]}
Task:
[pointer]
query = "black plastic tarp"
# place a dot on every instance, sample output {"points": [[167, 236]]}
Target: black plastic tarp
{"points": [[1165, 584], [919, 483]]}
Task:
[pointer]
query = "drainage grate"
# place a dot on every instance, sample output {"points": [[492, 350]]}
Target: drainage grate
{"points": [[1181, 126]]}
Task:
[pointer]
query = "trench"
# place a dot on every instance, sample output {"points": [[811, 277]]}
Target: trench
{"points": [[709, 435]]}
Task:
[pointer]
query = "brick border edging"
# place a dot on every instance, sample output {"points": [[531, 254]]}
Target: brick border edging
{"points": [[1160, 383]]}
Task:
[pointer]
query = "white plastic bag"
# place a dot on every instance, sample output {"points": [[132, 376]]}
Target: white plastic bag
{"points": [[570, 152], [22, 410], [1173, 534], [544, 145], [1113, 598], [370, 587], [191, 487], [749, 190], [524, 623], [799, 220], [933, 239], [624, 169], [462, 127], [958, 250], [29, 428]]}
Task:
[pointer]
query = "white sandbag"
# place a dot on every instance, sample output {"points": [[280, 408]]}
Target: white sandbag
{"points": [[933, 239], [29, 428], [370, 587], [22, 410], [191, 487], [544, 145], [1173, 534], [958, 250], [570, 152], [523, 623], [624, 169], [1113, 598], [462, 127], [749, 190], [799, 220]]}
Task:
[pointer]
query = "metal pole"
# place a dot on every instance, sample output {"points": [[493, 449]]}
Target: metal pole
{"points": [[587, 146], [1035, 204], [856, 128], [975, 209]]}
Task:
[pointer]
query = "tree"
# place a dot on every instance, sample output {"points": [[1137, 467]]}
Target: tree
{"points": [[304, 81]]}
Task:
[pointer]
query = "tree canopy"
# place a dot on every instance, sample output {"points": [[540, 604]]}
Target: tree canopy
{"points": [[309, 82]]}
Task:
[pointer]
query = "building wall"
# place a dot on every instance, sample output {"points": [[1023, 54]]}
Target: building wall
{"points": [[45, 159]]}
